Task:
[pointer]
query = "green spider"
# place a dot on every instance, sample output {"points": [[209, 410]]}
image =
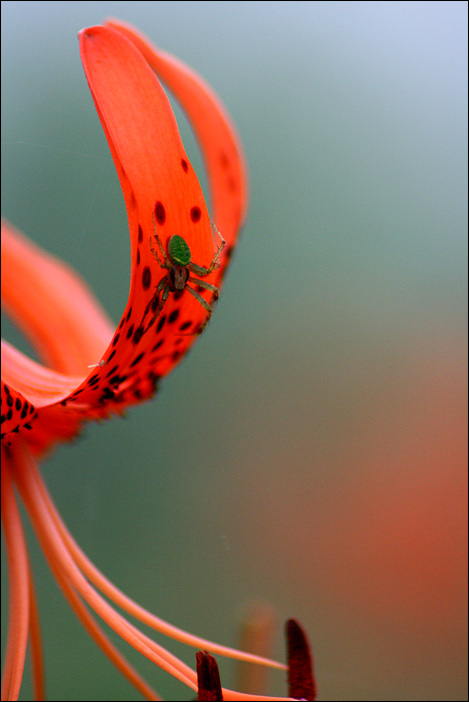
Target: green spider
{"points": [[179, 266]]}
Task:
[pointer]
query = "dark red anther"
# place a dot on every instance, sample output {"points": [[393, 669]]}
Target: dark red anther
{"points": [[208, 677], [301, 682]]}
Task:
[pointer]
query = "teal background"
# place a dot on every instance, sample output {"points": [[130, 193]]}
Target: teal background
{"points": [[311, 449]]}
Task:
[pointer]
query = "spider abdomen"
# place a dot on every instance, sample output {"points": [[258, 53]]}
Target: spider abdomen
{"points": [[179, 252]]}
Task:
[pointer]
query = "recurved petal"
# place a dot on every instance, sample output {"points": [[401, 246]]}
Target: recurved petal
{"points": [[52, 305], [144, 139], [163, 197], [218, 138]]}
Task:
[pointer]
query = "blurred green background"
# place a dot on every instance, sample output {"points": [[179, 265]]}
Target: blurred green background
{"points": [[317, 459]]}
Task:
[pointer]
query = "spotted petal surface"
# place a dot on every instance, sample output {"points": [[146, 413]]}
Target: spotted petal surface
{"points": [[163, 197]]}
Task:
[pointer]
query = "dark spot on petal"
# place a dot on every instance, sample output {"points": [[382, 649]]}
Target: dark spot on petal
{"points": [[138, 335], [130, 331], [173, 316], [161, 323], [184, 165], [160, 213], [137, 360], [224, 160], [138, 257], [115, 340], [184, 326], [112, 371], [108, 394], [153, 377], [140, 234], [146, 278], [195, 213]]}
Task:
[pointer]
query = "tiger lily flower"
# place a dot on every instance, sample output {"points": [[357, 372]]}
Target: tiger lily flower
{"points": [[45, 403]]}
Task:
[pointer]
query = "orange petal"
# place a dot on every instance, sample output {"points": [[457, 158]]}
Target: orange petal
{"points": [[52, 305], [160, 189], [58, 313], [221, 147], [144, 139], [163, 197]]}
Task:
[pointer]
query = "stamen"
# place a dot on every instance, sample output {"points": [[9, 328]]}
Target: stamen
{"points": [[208, 677], [301, 682]]}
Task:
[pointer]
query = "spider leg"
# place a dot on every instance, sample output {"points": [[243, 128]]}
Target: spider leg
{"points": [[215, 263], [199, 270], [165, 286], [206, 286], [162, 265], [167, 262], [203, 302]]}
